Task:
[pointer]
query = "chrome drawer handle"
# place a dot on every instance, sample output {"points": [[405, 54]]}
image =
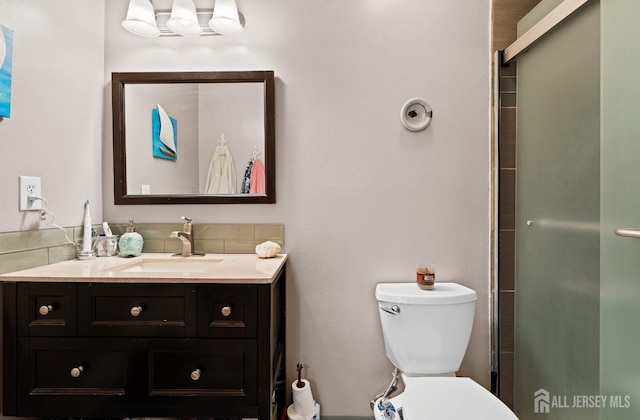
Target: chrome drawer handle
{"points": [[45, 309], [226, 310], [77, 371], [136, 311], [394, 310], [195, 375]]}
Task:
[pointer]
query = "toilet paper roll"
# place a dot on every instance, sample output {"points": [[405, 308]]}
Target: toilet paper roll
{"points": [[303, 399], [291, 413]]}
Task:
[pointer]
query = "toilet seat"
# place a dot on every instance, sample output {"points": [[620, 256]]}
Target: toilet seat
{"points": [[450, 399]]}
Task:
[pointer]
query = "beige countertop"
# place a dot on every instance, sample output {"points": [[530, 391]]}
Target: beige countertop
{"points": [[211, 268]]}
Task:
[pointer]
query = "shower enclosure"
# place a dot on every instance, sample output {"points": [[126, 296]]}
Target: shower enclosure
{"points": [[577, 163]]}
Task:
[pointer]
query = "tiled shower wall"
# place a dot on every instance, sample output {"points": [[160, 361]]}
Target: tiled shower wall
{"points": [[33, 248], [505, 16]]}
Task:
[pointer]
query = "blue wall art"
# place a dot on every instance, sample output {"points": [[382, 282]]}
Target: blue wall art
{"points": [[6, 54], [165, 134]]}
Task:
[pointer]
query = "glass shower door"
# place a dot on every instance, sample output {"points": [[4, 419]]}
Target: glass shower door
{"points": [[557, 307]]}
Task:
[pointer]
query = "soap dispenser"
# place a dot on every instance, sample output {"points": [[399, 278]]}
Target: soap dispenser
{"points": [[130, 242]]}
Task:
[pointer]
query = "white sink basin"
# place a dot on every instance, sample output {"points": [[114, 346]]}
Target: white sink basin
{"points": [[168, 266]]}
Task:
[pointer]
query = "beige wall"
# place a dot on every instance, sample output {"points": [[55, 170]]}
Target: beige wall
{"points": [[362, 199], [55, 129]]}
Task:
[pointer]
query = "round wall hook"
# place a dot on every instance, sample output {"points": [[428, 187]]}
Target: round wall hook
{"points": [[416, 114]]}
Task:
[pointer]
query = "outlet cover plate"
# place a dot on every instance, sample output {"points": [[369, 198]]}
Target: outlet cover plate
{"points": [[29, 186]]}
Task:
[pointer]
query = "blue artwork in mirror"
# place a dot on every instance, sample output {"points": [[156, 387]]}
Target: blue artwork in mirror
{"points": [[165, 134]]}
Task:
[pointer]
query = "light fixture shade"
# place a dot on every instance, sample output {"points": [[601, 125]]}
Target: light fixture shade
{"points": [[184, 19], [226, 20], [141, 19]]}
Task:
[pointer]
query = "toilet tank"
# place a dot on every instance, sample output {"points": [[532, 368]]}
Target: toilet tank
{"points": [[426, 332]]}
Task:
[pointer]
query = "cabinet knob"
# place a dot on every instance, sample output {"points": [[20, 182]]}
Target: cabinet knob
{"points": [[77, 371], [136, 310], [45, 309], [226, 310], [195, 375]]}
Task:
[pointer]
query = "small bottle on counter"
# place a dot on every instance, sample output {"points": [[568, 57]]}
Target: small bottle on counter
{"points": [[426, 276], [131, 242]]}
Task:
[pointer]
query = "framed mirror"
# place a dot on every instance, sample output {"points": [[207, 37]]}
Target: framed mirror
{"points": [[194, 137]]}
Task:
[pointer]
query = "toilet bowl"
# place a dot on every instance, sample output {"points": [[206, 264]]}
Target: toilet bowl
{"points": [[426, 333], [445, 398]]}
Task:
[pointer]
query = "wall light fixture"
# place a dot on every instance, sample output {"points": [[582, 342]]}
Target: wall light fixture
{"points": [[141, 19], [184, 18], [226, 19]]}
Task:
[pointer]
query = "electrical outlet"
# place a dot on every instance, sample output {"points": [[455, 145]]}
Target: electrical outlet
{"points": [[29, 187]]}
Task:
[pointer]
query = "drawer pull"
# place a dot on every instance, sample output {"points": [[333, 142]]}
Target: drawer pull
{"points": [[45, 309], [195, 375], [226, 310], [77, 371], [136, 311]]}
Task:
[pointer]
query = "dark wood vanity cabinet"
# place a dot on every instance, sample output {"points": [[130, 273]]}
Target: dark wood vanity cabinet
{"points": [[100, 350]]}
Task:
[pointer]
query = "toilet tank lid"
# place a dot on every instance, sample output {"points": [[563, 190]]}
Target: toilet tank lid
{"points": [[410, 293]]}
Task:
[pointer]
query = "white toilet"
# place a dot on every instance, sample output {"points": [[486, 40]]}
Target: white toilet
{"points": [[426, 333]]}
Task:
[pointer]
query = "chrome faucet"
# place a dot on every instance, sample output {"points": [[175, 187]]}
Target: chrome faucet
{"points": [[187, 238]]}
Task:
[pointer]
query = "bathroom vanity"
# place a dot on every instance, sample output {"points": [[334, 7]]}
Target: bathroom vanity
{"points": [[153, 336]]}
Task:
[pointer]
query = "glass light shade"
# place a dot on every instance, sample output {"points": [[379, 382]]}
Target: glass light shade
{"points": [[184, 19], [141, 19], [226, 20]]}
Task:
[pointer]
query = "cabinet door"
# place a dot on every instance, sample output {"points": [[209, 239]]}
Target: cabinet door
{"points": [[54, 373], [227, 310], [211, 373], [137, 310], [46, 309]]}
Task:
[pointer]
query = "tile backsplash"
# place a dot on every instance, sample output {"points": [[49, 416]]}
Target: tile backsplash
{"points": [[33, 248]]}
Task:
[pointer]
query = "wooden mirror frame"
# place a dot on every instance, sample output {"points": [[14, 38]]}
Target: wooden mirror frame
{"points": [[118, 84]]}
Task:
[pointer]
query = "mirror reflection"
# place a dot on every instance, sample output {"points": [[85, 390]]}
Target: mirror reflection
{"points": [[194, 137]]}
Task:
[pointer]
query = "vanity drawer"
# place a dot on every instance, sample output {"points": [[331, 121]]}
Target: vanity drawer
{"points": [[81, 371], [206, 368], [137, 310], [46, 309], [227, 311]]}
